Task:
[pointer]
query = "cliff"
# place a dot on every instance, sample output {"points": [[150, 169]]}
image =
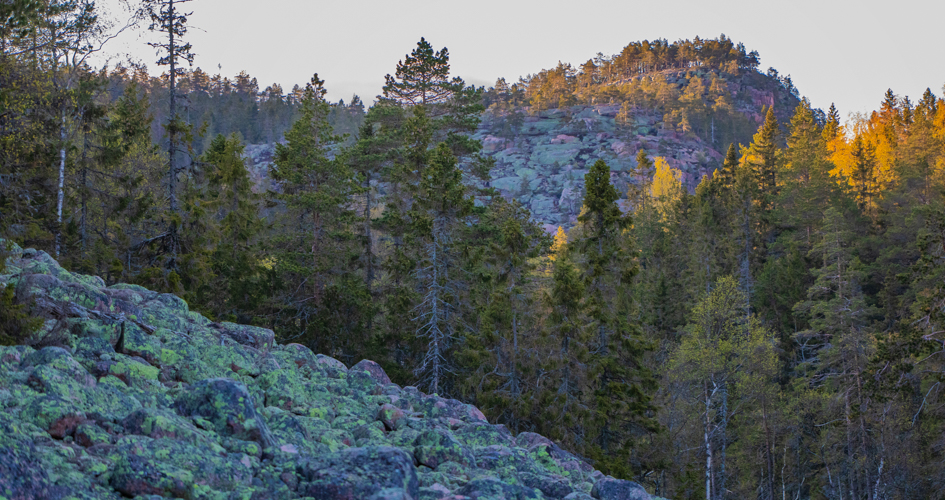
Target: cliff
{"points": [[134, 395]]}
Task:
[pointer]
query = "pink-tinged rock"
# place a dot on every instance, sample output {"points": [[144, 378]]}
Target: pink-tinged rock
{"points": [[289, 448], [65, 425], [377, 373], [441, 490], [565, 139], [530, 440], [617, 489], [475, 414], [392, 417], [331, 362], [492, 144]]}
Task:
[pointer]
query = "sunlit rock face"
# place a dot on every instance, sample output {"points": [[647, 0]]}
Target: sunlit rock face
{"points": [[145, 398]]}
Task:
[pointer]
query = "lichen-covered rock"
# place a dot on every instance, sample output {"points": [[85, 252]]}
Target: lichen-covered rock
{"points": [[228, 407], [358, 473], [147, 399], [494, 489], [22, 475], [432, 448], [377, 373], [392, 417], [617, 489]]}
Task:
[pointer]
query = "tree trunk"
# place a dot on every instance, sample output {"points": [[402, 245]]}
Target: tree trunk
{"points": [[706, 434], [769, 459], [172, 140], [62, 181], [368, 246], [851, 464]]}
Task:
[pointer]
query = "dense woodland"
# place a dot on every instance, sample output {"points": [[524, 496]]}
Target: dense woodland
{"points": [[779, 332]]}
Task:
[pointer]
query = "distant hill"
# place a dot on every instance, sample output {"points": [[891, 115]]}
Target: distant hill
{"points": [[685, 101], [687, 116]]}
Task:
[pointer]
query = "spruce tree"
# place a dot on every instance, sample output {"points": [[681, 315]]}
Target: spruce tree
{"points": [[621, 402], [563, 401], [236, 208], [440, 206], [166, 18]]}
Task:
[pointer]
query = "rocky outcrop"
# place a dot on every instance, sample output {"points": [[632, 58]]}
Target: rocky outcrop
{"points": [[146, 398], [542, 162]]}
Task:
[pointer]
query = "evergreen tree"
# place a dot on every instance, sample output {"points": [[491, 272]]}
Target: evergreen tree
{"points": [[764, 156], [563, 401], [440, 205], [314, 243], [621, 400], [166, 18], [422, 77], [235, 261]]}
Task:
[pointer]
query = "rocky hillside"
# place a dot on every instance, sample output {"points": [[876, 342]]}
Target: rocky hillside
{"points": [[135, 396], [544, 163]]}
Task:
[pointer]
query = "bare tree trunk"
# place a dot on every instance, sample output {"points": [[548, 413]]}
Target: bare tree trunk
{"points": [[83, 231], [172, 141], [851, 464], [769, 459], [62, 181], [723, 445], [708, 443], [368, 246]]}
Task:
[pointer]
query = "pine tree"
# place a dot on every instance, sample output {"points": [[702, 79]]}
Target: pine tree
{"points": [[832, 126], [838, 345], [422, 77], [640, 185], [764, 156], [563, 402]]}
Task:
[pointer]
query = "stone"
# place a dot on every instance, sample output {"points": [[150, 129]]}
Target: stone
{"points": [[392, 417], [618, 489], [358, 473], [377, 373], [435, 447], [227, 405], [23, 477]]}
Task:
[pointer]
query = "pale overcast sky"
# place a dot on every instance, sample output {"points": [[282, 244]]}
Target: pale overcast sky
{"points": [[848, 52]]}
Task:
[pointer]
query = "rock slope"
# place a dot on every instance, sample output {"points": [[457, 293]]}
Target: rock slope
{"points": [[543, 165], [148, 399]]}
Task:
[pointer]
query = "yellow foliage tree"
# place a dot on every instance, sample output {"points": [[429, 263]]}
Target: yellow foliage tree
{"points": [[847, 154], [560, 244], [666, 188]]}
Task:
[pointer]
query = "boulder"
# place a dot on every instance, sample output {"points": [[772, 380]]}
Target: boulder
{"points": [[23, 476], [229, 408], [358, 473], [618, 489], [434, 447], [377, 373]]}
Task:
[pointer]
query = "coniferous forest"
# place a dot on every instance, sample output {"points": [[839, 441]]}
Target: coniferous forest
{"points": [[774, 328]]}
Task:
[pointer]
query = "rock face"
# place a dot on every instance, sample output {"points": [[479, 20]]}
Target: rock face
{"points": [[148, 398], [542, 163]]}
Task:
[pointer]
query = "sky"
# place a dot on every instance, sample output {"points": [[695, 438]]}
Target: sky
{"points": [[845, 52]]}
